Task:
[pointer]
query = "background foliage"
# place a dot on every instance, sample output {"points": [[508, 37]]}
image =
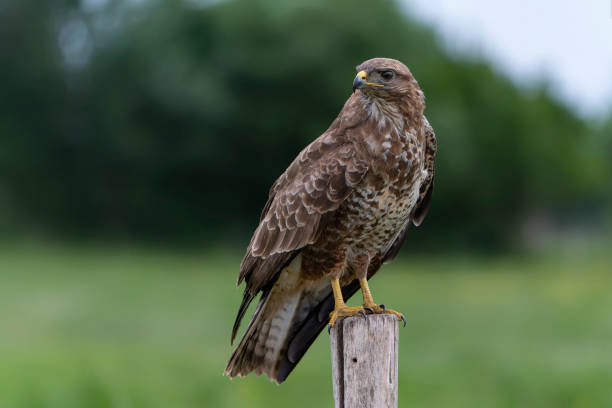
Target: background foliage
{"points": [[168, 121], [129, 328]]}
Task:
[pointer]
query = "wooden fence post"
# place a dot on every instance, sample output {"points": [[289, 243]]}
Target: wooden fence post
{"points": [[364, 361]]}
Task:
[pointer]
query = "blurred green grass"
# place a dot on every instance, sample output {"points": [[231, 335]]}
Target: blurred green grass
{"points": [[102, 327]]}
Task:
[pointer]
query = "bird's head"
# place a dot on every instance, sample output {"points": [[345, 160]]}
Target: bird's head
{"points": [[384, 78]]}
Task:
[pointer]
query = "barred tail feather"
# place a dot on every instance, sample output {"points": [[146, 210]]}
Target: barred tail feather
{"points": [[288, 319]]}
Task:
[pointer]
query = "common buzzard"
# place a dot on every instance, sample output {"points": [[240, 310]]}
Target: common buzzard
{"points": [[339, 212]]}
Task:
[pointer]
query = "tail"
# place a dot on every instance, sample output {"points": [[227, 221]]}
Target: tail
{"points": [[289, 317]]}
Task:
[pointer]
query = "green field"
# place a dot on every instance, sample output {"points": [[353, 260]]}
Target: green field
{"points": [[83, 327]]}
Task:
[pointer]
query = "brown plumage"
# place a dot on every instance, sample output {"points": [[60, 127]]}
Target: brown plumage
{"points": [[339, 212]]}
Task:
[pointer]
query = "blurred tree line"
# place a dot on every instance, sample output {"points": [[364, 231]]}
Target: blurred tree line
{"points": [[169, 120]]}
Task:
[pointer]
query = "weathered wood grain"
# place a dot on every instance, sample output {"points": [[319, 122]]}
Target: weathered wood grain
{"points": [[364, 362]]}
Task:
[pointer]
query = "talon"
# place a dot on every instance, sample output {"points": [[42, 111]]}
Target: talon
{"points": [[403, 319], [345, 311], [384, 309], [369, 309], [329, 327]]}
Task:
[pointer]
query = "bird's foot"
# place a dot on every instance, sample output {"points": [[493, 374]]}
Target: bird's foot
{"points": [[381, 309], [345, 311]]}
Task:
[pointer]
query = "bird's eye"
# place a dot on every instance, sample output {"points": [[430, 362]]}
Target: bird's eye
{"points": [[387, 75]]}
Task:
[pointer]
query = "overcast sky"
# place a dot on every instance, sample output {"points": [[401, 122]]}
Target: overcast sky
{"points": [[568, 41]]}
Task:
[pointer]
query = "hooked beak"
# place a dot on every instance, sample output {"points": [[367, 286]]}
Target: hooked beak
{"points": [[361, 80]]}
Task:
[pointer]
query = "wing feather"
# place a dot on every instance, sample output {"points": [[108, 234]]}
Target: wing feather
{"points": [[422, 206], [318, 181]]}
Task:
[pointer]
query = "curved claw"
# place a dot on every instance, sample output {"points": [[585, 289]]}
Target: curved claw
{"points": [[384, 309], [403, 320], [363, 313], [369, 309], [329, 329]]}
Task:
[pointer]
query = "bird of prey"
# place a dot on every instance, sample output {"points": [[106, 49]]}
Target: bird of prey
{"points": [[339, 211]]}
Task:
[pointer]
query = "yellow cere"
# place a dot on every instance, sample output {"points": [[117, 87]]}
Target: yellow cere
{"points": [[363, 75]]}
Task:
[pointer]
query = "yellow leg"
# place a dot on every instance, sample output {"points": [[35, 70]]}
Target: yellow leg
{"points": [[370, 306], [340, 308]]}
